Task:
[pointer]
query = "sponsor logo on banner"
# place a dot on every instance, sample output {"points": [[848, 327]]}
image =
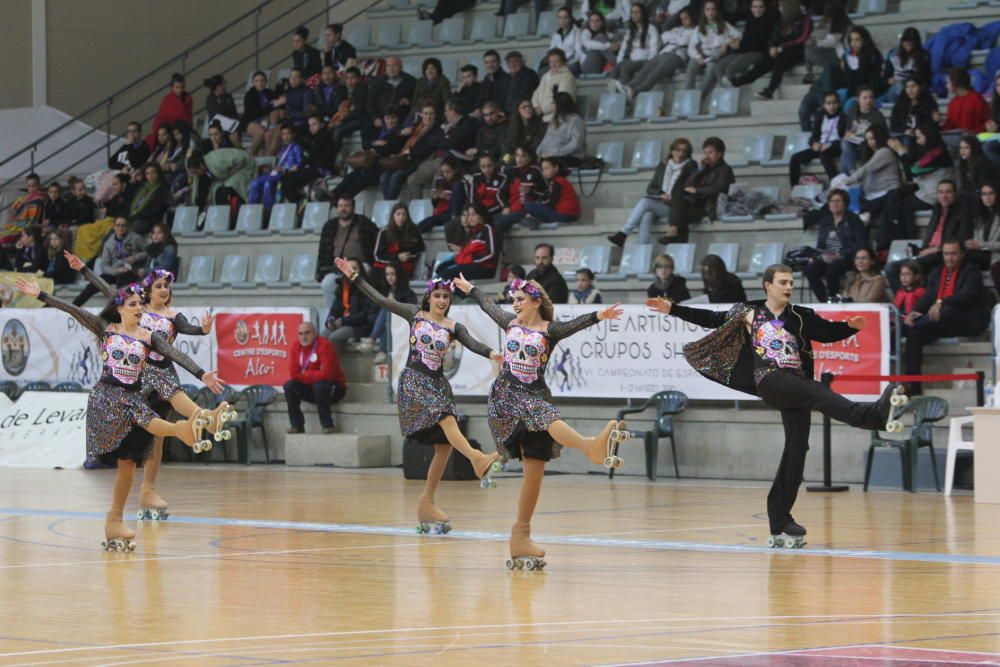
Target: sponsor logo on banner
{"points": [[15, 347], [864, 353], [44, 430], [252, 347]]}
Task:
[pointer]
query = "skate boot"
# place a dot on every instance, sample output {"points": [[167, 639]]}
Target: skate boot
{"points": [[152, 506], [484, 464], [524, 554], [215, 421], [432, 520], [116, 536], [619, 434], [190, 432], [792, 536], [891, 405], [596, 449]]}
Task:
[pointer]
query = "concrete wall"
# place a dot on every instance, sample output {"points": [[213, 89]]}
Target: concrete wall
{"points": [[15, 54]]}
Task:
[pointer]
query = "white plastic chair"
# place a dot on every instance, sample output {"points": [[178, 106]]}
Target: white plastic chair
{"points": [[683, 256], [315, 216], [955, 445], [648, 105]]}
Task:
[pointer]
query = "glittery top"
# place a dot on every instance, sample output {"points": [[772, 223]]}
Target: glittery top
{"points": [[167, 328], [775, 347]]}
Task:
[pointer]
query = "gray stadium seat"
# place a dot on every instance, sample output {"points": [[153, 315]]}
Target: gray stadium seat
{"points": [[729, 252], [793, 144], [452, 31], [758, 149], [610, 108], [899, 249], [762, 256], [266, 272], [250, 219], [411, 65], [612, 152], [683, 256], [484, 28], [419, 34], [357, 34], [387, 34], [283, 220], [186, 221], [515, 26], [686, 104], [315, 216], [234, 270], [721, 102], [647, 154], [548, 23], [303, 270], [217, 221], [635, 262], [380, 212], [201, 272], [648, 105], [420, 209], [597, 258], [283, 73]]}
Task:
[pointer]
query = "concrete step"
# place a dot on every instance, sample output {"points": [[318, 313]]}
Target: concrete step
{"points": [[340, 450]]}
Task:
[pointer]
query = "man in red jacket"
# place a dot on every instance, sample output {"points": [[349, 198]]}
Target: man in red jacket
{"points": [[316, 377]]}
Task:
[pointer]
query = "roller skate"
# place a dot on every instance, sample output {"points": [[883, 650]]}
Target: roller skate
{"points": [[152, 506], [483, 465], [116, 536], [596, 448], [216, 421], [524, 554], [897, 402], [619, 434], [190, 432], [432, 520], [792, 536]]}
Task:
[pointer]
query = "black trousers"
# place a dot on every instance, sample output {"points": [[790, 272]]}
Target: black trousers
{"points": [[828, 158], [292, 182], [323, 394], [118, 280], [796, 397], [684, 213], [954, 321], [824, 278]]}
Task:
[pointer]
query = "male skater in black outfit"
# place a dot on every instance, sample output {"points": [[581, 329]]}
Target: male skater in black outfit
{"points": [[764, 348]]}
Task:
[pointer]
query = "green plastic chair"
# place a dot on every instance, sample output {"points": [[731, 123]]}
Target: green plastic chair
{"points": [[926, 411], [668, 404], [258, 397]]}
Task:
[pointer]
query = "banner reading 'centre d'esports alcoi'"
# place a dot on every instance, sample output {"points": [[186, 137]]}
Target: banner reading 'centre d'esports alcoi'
{"points": [[642, 353]]}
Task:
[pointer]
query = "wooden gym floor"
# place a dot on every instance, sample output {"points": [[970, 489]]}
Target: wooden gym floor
{"points": [[265, 565]]}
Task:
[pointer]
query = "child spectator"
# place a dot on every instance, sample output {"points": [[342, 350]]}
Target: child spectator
{"points": [[787, 44], [264, 188], [469, 91], [161, 253], [318, 160], [57, 268], [514, 272], [640, 45], [478, 256], [967, 109], [667, 284], [711, 41], [566, 38], [906, 61], [560, 203], [79, 207], [449, 196], [55, 207], [488, 187], [350, 115], [829, 127], [396, 287], [585, 293], [30, 254], [399, 243], [860, 117], [524, 183], [305, 57], [339, 52], [911, 290]]}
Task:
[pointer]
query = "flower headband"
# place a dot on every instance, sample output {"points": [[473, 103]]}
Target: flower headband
{"points": [[155, 275], [526, 287], [439, 283], [127, 291]]}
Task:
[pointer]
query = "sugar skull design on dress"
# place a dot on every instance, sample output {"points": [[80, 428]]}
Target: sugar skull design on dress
{"points": [[159, 326], [431, 343], [773, 342], [124, 356], [526, 353]]}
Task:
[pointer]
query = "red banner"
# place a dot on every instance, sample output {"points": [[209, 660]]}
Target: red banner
{"points": [[862, 353], [252, 348]]}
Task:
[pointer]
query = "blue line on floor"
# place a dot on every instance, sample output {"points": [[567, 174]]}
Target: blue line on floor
{"points": [[658, 545]]}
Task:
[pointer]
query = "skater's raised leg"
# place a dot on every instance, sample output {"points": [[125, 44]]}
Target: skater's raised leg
{"points": [[115, 532], [481, 461], [595, 449], [521, 545]]}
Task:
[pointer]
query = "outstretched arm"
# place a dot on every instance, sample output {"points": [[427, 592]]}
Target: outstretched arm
{"points": [[824, 331], [210, 379], [710, 319], [405, 310], [92, 322], [77, 264], [463, 336], [184, 326], [560, 330], [495, 312]]}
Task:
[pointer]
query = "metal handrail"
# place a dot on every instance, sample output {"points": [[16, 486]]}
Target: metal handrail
{"points": [[109, 100]]}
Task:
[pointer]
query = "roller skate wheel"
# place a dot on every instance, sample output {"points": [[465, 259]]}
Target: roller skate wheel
{"points": [[496, 466], [895, 426], [529, 564], [196, 448], [493, 484], [206, 445], [619, 462], [609, 462], [140, 515], [227, 435], [509, 564], [897, 400], [519, 563], [774, 542], [130, 545]]}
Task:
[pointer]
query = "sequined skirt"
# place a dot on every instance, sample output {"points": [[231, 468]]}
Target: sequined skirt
{"points": [[160, 381], [423, 401], [112, 412], [516, 410]]}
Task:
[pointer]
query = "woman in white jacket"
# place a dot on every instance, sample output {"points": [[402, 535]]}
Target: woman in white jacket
{"points": [[599, 49], [557, 80], [568, 38], [672, 57], [711, 40], [640, 45]]}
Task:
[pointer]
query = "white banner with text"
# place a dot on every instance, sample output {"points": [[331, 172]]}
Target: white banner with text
{"points": [[44, 430]]}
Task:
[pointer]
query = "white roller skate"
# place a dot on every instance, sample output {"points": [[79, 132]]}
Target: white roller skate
{"points": [[152, 506], [897, 402], [116, 536], [619, 434], [524, 554], [792, 536], [483, 465], [432, 521], [191, 431], [217, 418]]}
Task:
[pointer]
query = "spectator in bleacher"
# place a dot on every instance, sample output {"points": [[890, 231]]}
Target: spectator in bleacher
{"points": [[123, 252], [992, 147], [30, 255], [164, 147], [558, 79], [825, 47], [666, 185], [305, 57], [494, 82], [150, 201], [521, 82], [974, 170], [639, 46], [906, 61], [525, 128], [860, 117], [751, 58], [701, 191], [259, 113], [220, 103], [217, 138], [560, 203], [298, 99], [421, 141], [120, 202], [339, 52], [566, 38], [480, 253], [134, 152], [880, 177], [524, 183], [432, 88], [79, 206], [175, 105], [492, 133], [914, 107], [315, 377], [584, 292], [161, 253], [55, 206], [470, 90], [459, 136], [396, 287], [948, 221], [667, 284], [444, 9], [175, 173], [352, 314], [984, 245], [27, 209], [866, 284], [617, 13], [395, 90], [57, 268], [219, 174], [712, 39], [841, 235], [665, 14], [861, 66], [953, 305], [547, 275], [672, 56], [788, 44], [318, 160], [489, 187], [514, 272], [828, 129], [365, 169], [350, 115], [329, 95], [967, 109], [566, 134], [721, 285], [399, 243], [927, 165], [349, 234], [264, 188], [599, 48], [911, 287]]}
